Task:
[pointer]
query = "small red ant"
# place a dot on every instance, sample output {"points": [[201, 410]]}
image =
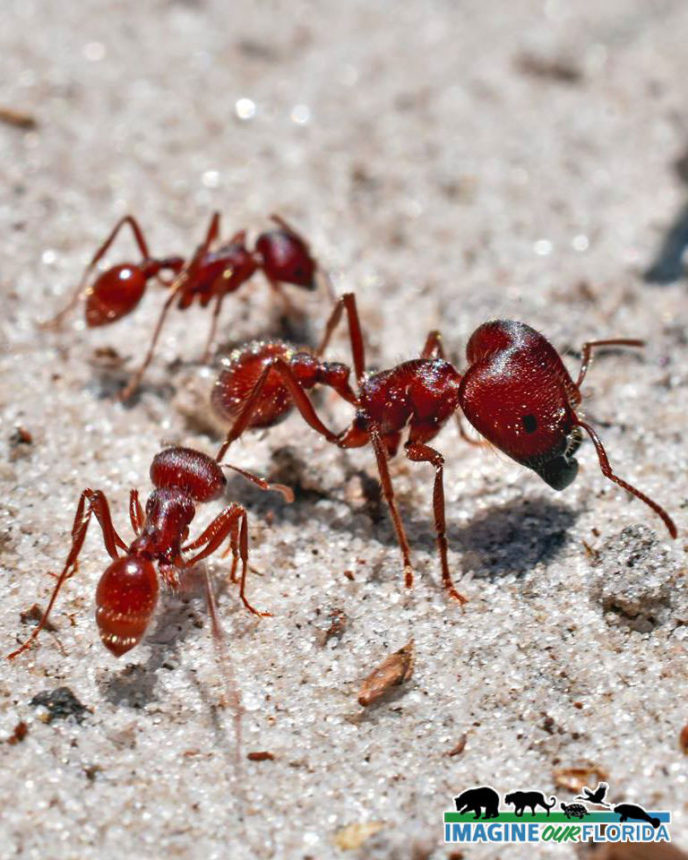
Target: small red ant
{"points": [[283, 255], [127, 592], [516, 392]]}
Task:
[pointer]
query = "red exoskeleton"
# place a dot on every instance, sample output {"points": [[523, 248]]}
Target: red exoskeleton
{"points": [[515, 391]]}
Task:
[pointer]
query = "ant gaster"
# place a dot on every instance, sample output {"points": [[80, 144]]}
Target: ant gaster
{"points": [[516, 392], [282, 255], [127, 592]]}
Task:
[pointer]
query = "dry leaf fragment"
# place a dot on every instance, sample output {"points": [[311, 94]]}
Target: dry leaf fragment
{"points": [[354, 835], [576, 778], [683, 740], [395, 670]]}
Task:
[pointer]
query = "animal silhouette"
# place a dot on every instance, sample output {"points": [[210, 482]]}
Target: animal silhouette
{"points": [[574, 810], [596, 796], [474, 799], [522, 799], [630, 810]]}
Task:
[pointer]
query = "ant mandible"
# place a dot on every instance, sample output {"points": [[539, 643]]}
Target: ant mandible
{"points": [[283, 256], [127, 592], [516, 392]]}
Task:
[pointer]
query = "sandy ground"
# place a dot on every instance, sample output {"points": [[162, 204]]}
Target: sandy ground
{"points": [[452, 163]]}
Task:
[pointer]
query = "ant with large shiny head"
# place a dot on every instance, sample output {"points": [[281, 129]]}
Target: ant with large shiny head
{"points": [[282, 254], [128, 590], [516, 392]]}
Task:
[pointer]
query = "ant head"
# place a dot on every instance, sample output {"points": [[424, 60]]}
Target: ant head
{"points": [[286, 258], [125, 601], [515, 393], [189, 471], [114, 294]]}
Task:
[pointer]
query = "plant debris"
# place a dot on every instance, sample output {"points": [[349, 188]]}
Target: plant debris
{"points": [[395, 670]]}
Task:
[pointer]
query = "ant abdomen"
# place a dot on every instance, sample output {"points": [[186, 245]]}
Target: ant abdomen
{"points": [[114, 294], [190, 471], [286, 258], [244, 368], [126, 597]]}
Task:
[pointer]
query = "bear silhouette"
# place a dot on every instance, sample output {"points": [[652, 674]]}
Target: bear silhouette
{"points": [[474, 799]]}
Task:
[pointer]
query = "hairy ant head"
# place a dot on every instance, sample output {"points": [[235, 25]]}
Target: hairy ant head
{"points": [[286, 258], [114, 294], [514, 394], [192, 472], [125, 601]]}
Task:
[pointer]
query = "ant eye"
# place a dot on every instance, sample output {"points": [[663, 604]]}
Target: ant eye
{"points": [[529, 423]]}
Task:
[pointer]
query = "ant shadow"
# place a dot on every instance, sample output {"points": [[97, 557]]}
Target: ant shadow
{"points": [[504, 540], [668, 265], [134, 686]]}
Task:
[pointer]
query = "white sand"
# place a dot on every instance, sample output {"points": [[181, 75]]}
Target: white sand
{"points": [[447, 186]]}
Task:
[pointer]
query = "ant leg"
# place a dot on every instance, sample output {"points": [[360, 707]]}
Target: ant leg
{"points": [[252, 402], [137, 376], [180, 283], [213, 324], [287, 227], [608, 473], [421, 453], [347, 302], [97, 504], [388, 492], [222, 527], [287, 492], [97, 257], [136, 514], [594, 344], [434, 348]]}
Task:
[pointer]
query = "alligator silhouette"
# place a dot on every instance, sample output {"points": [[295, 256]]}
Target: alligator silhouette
{"points": [[474, 799], [521, 799], [630, 810]]}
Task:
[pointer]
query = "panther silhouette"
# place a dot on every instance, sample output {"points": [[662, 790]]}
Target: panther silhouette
{"points": [[521, 799]]}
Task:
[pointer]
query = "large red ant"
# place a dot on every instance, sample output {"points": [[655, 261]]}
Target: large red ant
{"points": [[127, 592], [283, 256], [516, 392]]}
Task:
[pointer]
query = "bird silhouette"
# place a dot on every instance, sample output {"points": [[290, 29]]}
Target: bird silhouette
{"points": [[596, 796]]}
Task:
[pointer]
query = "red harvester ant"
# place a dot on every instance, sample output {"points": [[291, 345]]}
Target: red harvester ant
{"points": [[516, 392], [127, 592], [282, 254]]}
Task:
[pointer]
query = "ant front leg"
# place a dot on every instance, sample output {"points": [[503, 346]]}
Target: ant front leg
{"points": [[388, 492], [347, 303], [136, 515], [56, 321], [90, 502], [421, 453], [232, 523]]}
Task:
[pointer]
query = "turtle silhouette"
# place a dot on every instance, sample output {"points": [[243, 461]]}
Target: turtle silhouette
{"points": [[596, 796], [474, 799], [574, 810], [630, 810]]}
